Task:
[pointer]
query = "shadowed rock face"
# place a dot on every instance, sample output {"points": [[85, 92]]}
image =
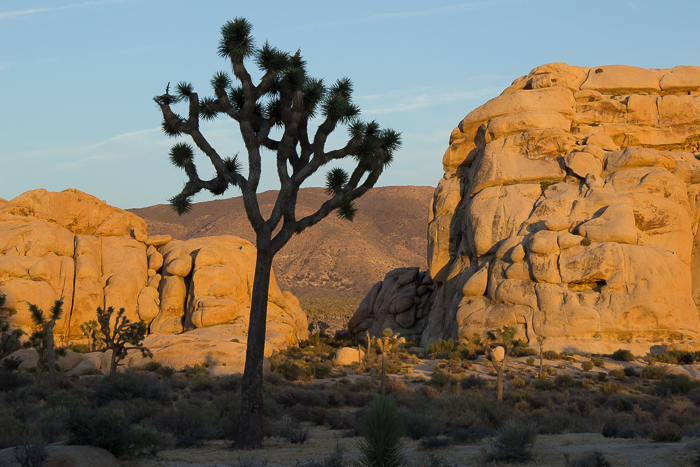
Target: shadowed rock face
{"points": [[72, 245], [569, 208]]}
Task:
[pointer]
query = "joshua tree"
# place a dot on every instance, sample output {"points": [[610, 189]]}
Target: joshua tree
{"points": [[285, 99], [540, 341], [91, 330], [42, 338], [121, 337], [504, 337], [9, 338]]}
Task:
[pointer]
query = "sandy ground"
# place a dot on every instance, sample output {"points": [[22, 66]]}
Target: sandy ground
{"points": [[550, 450]]}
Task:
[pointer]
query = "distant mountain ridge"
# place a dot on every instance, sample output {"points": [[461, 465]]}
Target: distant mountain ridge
{"points": [[334, 260]]}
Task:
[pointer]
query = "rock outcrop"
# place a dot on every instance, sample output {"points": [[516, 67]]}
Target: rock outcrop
{"points": [[72, 245], [400, 302], [569, 208]]}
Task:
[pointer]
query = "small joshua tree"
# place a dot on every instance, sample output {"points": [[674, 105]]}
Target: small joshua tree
{"points": [[9, 338], [540, 341], [505, 337], [91, 330], [121, 337], [42, 339]]}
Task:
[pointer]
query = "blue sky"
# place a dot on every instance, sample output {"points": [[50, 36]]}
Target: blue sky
{"points": [[77, 78]]}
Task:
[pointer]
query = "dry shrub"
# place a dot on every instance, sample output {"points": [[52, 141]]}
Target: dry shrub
{"points": [[666, 433], [513, 442]]}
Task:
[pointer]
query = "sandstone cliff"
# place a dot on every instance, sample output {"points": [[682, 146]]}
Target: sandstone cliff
{"points": [[569, 208], [72, 245]]}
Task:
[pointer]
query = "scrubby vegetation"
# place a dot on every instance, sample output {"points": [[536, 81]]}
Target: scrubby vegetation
{"points": [[139, 412]]}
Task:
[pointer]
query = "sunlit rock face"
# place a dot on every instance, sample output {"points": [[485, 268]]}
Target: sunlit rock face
{"points": [[569, 208], [73, 245]]}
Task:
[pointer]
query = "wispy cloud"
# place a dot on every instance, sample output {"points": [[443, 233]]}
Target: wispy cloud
{"points": [[437, 11], [31, 11], [406, 100]]}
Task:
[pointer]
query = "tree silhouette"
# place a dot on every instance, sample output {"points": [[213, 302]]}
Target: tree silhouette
{"points": [[42, 339], [284, 102], [9, 338], [121, 336]]}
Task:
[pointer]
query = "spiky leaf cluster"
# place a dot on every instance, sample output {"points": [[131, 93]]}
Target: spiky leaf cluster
{"points": [[232, 164], [336, 179], [184, 90], [236, 41], [220, 81], [181, 154], [181, 204], [347, 211], [271, 59], [381, 443]]}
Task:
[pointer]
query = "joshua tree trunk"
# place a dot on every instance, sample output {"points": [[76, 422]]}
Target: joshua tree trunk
{"points": [[250, 429], [383, 382], [50, 360], [499, 383]]}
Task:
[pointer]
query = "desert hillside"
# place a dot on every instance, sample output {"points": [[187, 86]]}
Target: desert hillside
{"points": [[333, 262]]}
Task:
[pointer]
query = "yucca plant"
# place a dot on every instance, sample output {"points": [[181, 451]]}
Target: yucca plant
{"points": [[381, 444]]}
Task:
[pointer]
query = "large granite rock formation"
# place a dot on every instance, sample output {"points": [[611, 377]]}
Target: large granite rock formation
{"points": [[569, 208], [72, 245]]}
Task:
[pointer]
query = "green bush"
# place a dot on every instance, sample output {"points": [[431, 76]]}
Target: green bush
{"points": [[666, 433], [587, 366], [440, 379], [131, 385], [197, 369], [472, 381], [514, 442], [323, 370], [566, 381], [623, 355], [189, 423], [630, 371], [598, 361], [517, 382], [108, 429], [618, 374], [654, 372], [611, 387], [530, 361], [675, 384], [545, 384], [586, 241]]}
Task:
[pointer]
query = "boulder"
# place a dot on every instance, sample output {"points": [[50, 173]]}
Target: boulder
{"points": [[400, 302], [347, 356]]}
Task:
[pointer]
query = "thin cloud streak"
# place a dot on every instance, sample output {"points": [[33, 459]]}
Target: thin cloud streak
{"points": [[414, 99], [31, 11], [462, 7]]}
